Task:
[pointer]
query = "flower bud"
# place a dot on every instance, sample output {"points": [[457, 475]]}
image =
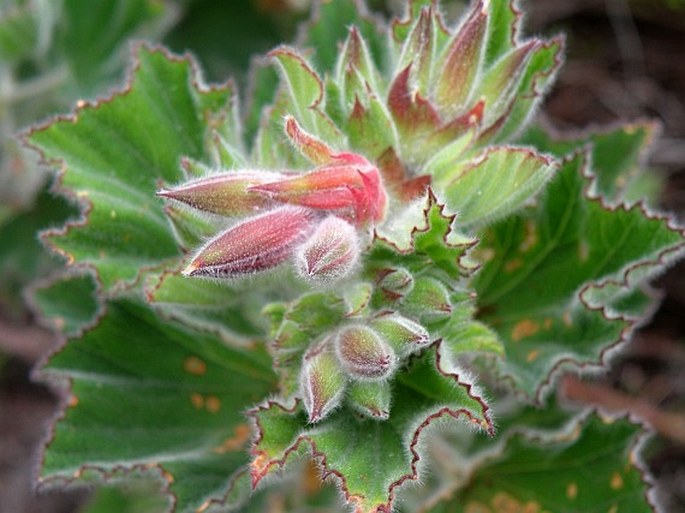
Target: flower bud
{"points": [[322, 383], [395, 283], [330, 253], [225, 194], [404, 335], [428, 299], [349, 186], [254, 245], [370, 398], [363, 354]]}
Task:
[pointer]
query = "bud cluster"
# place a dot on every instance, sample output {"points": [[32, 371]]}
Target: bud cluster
{"points": [[358, 359], [311, 217]]}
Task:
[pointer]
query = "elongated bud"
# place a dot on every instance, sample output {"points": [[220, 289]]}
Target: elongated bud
{"points": [[330, 253], [395, 283], [363, 354], [256, 244], [404, 335], [350, 187], [225, 194], [370, 398], [322, 383], [428, 299]]}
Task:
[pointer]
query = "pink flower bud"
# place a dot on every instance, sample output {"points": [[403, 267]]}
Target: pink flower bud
{"points": [[322, 383], [256, 244], [330, 253], [363, 354], [224, 194], [350, 186]]}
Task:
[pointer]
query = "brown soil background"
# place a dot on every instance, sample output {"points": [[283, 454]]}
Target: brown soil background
{"points": [[626, 60]]}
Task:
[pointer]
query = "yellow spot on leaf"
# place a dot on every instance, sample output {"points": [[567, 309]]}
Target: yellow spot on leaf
{"points": [[169, 478], [477, 507], [572, 491], [73, 401], [197, 400], [212, 403], [613, 509], [512, 265], [532, 355], [531, 237], [531, 507], [568, 321], [241, 434], [82, 194], [524, 328], [203, 507], [113, 214], [312, 479], [193, 365], [583, 251], [505, 503], [616, 481]]}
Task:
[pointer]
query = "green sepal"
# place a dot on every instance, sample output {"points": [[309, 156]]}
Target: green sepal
{"points": [[370, 459]]}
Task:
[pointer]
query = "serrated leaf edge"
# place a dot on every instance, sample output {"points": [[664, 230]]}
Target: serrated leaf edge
{"points": [[83, 203], [387, 507]]}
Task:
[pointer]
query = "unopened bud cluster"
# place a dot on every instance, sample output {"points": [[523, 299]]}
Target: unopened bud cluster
{"points": [[311, 218], [356, 363]]}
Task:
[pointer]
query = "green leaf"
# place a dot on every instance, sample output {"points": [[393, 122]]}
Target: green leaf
{"points": [[617, 155], [18, 32], [426, 241], [67, 303], [22, 257], [115, 154], [207, 305], [96, 61], [495, 184], [150, 393], [593, 469], [306, 95], [539, 263], [371, 458], [329, 28]]}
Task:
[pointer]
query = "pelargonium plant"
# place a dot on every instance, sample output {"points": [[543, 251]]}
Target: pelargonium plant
{"points": [[373, 270]]}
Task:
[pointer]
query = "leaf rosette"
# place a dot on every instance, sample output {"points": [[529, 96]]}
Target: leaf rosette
{"points": [[380, 225]]}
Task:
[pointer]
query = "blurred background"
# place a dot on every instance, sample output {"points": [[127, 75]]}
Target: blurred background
{"points": [[626, 60]]}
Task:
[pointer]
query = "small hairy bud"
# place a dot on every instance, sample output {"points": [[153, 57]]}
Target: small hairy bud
{"points": [[256, 244], [330, 253], [322, 383], [395, 283], [364, 354], [404, 335], [370, 398], [224, 194], [428, 299]]}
